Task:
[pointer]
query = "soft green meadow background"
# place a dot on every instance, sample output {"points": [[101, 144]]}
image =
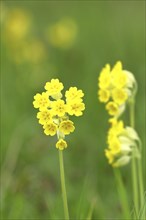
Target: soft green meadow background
{"points": [[105, 31]]}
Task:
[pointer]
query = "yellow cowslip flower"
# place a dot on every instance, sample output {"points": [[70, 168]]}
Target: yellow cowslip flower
{"points": [[116, 86], [66, 127], [17, 25], [114, 146], [61, 144], [41, 101], [122, 144], [59, 108], [104, 95], [73, 93], [105, 78], [62, 34], [75, 108], [54, 88], [54, 114], [119, 96], [50, 129], [109, 156], [44, 116], [112, 108]]}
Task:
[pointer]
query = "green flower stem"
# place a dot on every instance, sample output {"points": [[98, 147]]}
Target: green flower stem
{"points": [[122, 193], [64, 195], [134, 167], [141, 182]]}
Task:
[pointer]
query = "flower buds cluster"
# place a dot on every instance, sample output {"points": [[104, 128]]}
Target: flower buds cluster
{"points": [[116, 86], [123, 143], [54, 112]]}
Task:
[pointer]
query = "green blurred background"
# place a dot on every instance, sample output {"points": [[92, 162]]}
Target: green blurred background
{"points": [[34, 49]]}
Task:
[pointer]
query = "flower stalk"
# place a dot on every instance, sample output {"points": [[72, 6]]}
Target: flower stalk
{"points": [[63, 187]]}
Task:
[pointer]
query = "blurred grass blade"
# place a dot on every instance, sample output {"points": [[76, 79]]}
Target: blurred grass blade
{"points": [[122, 194], [90, 213]]}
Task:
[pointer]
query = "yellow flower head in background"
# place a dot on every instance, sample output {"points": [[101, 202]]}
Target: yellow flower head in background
{"points": [[122, 142], [17, 24], [54, 112], [62, 34], [116, 86]]}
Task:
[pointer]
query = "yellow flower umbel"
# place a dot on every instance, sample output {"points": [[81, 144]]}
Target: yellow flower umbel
{"points": [[122, 142], [54, 112], [116, 86]]}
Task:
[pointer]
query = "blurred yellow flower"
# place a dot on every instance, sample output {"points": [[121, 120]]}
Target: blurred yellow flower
{"points": [[54, 112], [116, 86], [104, 95], [122, 143], [119, 96], [63, 33], [105, 78], [112, 108], [17, 24]]}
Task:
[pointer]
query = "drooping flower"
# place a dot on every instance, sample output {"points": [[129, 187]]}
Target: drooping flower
{"points": [[122, 142], [61, 144]]}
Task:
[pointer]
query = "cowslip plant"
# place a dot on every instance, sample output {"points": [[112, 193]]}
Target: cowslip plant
{"points": [[53, 115], [117, 89]]}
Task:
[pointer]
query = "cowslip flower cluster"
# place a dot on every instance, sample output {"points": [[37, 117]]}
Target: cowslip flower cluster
{"points": [[54, 112], [116, 86], [63, 33], [123, 143]]}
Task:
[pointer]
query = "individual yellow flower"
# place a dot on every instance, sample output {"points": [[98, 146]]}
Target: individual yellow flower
{"points": [[112, 108], [61, 144], [119, 77], [41, 101], [109, 155], [54, 87], [105, 78], [119, 96], [104, 95], [66, 127], [73, 93], [115, 146], [59, 108], [75, 108], [44, 116], [50, 129]]}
